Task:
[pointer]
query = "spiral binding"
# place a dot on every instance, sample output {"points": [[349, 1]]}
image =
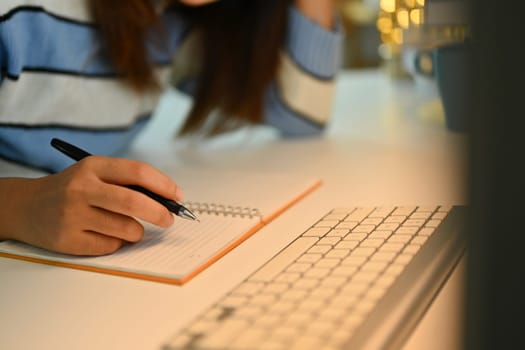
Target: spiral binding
{"points": [[223, 210]]}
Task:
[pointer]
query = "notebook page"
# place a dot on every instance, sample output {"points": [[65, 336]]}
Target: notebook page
{"points": [[173, 253]]}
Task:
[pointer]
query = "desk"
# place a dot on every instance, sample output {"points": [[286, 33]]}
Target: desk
{"points": [[382, 148]]}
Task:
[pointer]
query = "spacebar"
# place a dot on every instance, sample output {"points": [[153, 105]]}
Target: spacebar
{"points": [[279, 262]]}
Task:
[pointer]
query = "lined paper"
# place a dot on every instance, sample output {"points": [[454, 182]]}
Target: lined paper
{"points": [[172, 253]]}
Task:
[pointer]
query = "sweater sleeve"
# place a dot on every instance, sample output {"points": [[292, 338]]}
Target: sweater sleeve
{"points": [[3, 64], [299, 101]]}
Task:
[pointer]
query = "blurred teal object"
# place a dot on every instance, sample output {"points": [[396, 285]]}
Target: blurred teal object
{"points": [[451, 71]]}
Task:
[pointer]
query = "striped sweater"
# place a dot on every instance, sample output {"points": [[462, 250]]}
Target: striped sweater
{"points": [[55, 82]]}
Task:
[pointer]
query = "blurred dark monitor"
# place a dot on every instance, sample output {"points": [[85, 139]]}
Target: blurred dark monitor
{"points": [[445, 12], [496, 253]]}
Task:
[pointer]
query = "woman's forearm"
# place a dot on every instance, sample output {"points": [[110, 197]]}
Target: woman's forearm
{"points": [[13, 191], [320, 11]]}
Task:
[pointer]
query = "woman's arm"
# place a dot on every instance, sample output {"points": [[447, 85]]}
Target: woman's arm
{"points": [[84, 209], [320, 11], [299, 101]]}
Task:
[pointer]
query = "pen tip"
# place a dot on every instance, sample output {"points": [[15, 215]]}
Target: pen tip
{"points": [[188, 215]]}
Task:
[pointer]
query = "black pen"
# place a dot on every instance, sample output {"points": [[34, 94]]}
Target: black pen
{"points": [[77, 154]]}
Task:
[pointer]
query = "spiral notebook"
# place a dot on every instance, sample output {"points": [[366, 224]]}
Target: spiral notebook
{"points": [[231, 206]]}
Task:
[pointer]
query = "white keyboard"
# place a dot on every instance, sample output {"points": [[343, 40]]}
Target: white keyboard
{"points": [[358, 278]]}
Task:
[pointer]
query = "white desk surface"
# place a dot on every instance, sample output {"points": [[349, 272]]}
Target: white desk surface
{"points": [[385, 146]]}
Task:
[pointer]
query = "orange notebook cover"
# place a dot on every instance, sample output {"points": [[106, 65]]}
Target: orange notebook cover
{"points": [[231, 206]]}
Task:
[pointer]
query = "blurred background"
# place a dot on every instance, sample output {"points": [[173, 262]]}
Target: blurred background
{"points": [[383, 33], [422, 41]]}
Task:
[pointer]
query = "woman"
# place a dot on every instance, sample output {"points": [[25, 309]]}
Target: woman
{"points": [[91, 71]]}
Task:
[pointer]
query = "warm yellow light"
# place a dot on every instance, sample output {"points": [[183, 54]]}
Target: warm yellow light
{"points": [[397, 36], [402, 18], [384, 24], [416, 16], [386, 38], [421, 2], [410, 3], [388, 5]]}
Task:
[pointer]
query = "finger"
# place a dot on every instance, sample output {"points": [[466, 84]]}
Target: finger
{"points": [[89, 243], [115, 225], [124, 201], [129, 172]]}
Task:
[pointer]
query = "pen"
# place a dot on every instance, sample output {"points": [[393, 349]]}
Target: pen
{"points": [[77, 154]]}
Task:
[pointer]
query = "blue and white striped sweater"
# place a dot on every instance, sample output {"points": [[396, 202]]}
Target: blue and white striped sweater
{"points": [[54, 82]]}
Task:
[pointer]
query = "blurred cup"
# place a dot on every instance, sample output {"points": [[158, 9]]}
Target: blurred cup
{"points": [[452, 73]]}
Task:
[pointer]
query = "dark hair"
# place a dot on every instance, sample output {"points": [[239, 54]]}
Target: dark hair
{"points": [[239, 42]]}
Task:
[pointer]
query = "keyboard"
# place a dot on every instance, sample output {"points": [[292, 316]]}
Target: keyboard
{"points": [[358, 278]]}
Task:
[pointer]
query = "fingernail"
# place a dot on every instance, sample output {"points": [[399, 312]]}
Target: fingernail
{"points": [[179, 194], [168, 221]]}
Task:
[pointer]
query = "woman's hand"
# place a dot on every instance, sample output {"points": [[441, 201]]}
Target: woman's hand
{"points": [[320, 11], [85, 210]]}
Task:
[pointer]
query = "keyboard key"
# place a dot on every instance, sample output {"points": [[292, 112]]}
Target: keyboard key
{"points": [[285, 257], [380, 234], [363, 251], [223, 334], [327, 223], [414, 222], [306, 342], [298, 267], [359, 214], [317, 272], [347, 245], [419, 239], [372, 243], [329, 240], [316, 232], [306, 283], [333, 281], [372, 221], [433, 223], [355, 236], [364, 228], [249, 288], [388, 226], [347, 225], [329, 263], [426, 231], [395, 219], [337, 253], [268, 319], [344, 270], [287, 277], [321, 249], [407, 230], [406, 211], [381, 212], [336, 216], [248, 337], [399, 238], [420, 215], [309, 258], [234, 301], [275, 288], [281, 307], [354, 260], [338, 232], [439, 216]]}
